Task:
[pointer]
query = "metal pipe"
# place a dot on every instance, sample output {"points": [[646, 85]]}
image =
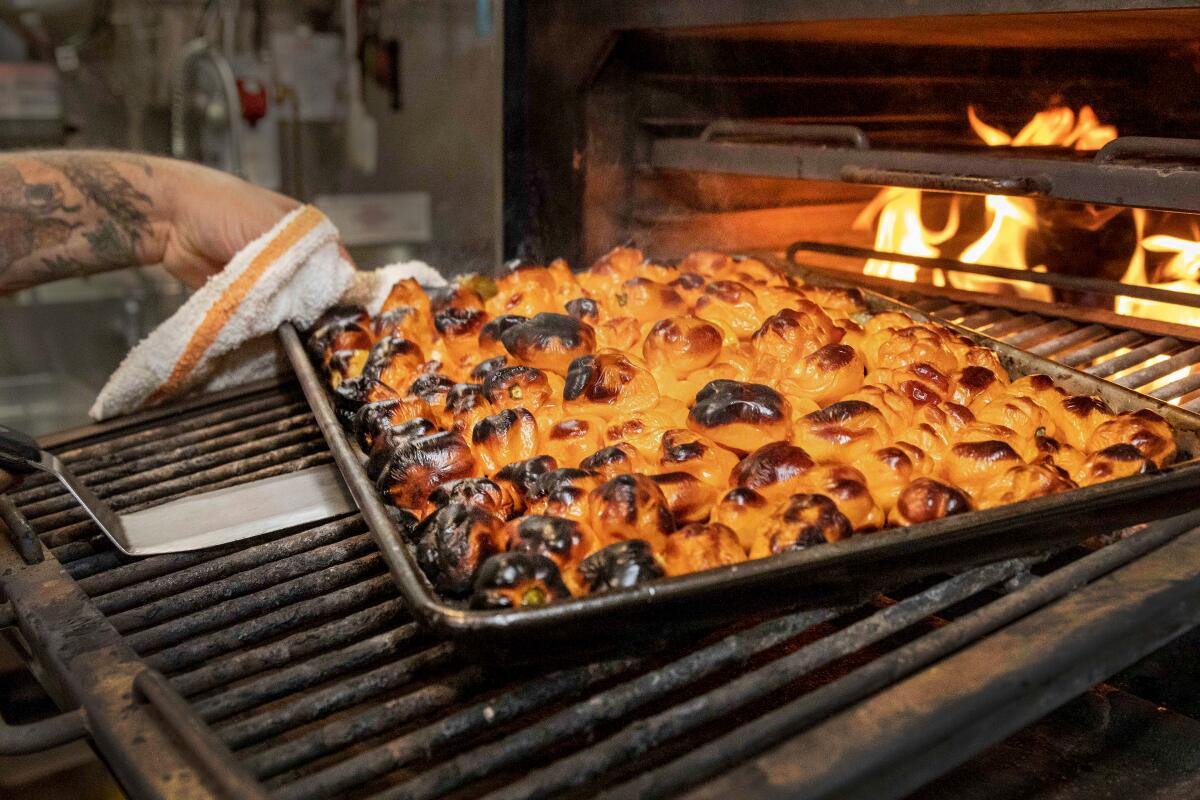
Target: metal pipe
{"points": [[214, 757], [245, 634], [195, 52], [18, 740], [1075, 283], [292, 649]]}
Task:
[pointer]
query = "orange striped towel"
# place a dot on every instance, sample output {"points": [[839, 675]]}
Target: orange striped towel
{"points": [[224, 335]]}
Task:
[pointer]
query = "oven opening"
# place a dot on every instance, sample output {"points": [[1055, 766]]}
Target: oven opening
{"points": [[1060, 147]]}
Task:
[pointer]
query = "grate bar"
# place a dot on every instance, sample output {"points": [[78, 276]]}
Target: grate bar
{"points": [[775, 726], [338, 601], [271, 577], [644, 735], [1003, 328], [1153, 372], [378, 761], [333, 634], [145, 580], [937, 718], [398, 711], [322, 703], [984, 317], [279, 418], [305, 674], [231, 611], [583, 719], [1132, 358], [1072, 337], [233, 410], [1035, 334], [1101, 348], [1181, 387], [111, 450]]}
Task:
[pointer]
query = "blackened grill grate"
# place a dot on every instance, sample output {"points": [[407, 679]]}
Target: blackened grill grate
{"points": [[295, 652]]}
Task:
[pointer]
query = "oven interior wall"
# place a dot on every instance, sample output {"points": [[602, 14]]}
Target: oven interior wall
{"points": [[906, 83]]}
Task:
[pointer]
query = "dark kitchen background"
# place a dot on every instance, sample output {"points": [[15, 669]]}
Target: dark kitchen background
{"points": [[104, 73]]}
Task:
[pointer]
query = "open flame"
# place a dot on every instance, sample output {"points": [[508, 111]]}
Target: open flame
{"points": [[899, 228], [1054, 127], [1183, 272]]}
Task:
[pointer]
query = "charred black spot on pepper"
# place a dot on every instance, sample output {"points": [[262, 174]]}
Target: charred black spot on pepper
{"points": [[770, 464], [584, 309], [483, 369], [548, 330], [926, 499], [512, 382], [990, 451], [499, 424], [457, 321], [722, 402], [453, 543], [620, 566], [689, 280], [481, 492], [494, 329], [518, 580], [432, 387], [391, 439], [546, 535], [523, 475], [841, 412], [604, 457], [1081, 405], [976, 378], [464, 397], [371, 419]]}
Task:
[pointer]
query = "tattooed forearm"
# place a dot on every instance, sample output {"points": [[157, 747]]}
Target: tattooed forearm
{"points": [[68, 214]]}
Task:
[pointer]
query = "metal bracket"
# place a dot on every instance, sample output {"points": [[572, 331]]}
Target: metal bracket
{"points": [[850, 135], [23, 537], [1145, 147], [19, 740], [202, 743], [972, 184]]}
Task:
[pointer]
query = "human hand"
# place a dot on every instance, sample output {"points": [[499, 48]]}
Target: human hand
{"points": [[211, 215]]}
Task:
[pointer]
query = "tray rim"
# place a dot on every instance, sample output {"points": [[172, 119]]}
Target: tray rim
{"points": [[438, 614]]}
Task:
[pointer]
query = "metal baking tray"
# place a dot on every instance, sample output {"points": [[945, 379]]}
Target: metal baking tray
{"points": [[845, 571]]}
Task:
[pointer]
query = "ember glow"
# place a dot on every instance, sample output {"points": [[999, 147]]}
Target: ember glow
{"points": [[899, 228], [896, 213]]}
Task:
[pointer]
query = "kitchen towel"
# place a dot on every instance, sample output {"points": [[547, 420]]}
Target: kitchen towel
{"points": [[224, 335]]}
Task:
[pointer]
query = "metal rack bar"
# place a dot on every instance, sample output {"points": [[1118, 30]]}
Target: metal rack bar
{"points": [[1075, 283], [1116, 183]]}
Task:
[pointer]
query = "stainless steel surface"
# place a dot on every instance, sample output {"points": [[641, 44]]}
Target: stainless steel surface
{"points": [[237, 512], [203, 520]]}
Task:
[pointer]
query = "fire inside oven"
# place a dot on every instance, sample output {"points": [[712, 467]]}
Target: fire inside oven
{"points": [[1049, 144]]}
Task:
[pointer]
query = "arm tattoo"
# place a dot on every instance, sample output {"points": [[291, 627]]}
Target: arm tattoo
{"points": [[68, 214]]}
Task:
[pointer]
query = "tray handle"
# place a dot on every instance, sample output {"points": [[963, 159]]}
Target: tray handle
{"points": [[849, 135]]}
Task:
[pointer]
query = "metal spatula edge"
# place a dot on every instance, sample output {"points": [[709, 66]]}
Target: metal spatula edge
{"points": [[202, 520]]}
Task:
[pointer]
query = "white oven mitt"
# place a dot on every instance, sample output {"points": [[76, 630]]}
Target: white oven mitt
{"points": [[224, 335]]}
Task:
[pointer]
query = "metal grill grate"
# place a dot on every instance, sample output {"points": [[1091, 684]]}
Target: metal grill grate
{"points": [[1139, 361], [296, 658]]}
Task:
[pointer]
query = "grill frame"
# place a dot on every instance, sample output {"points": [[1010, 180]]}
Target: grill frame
{"points": [[164, 747], [811, 577]]}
